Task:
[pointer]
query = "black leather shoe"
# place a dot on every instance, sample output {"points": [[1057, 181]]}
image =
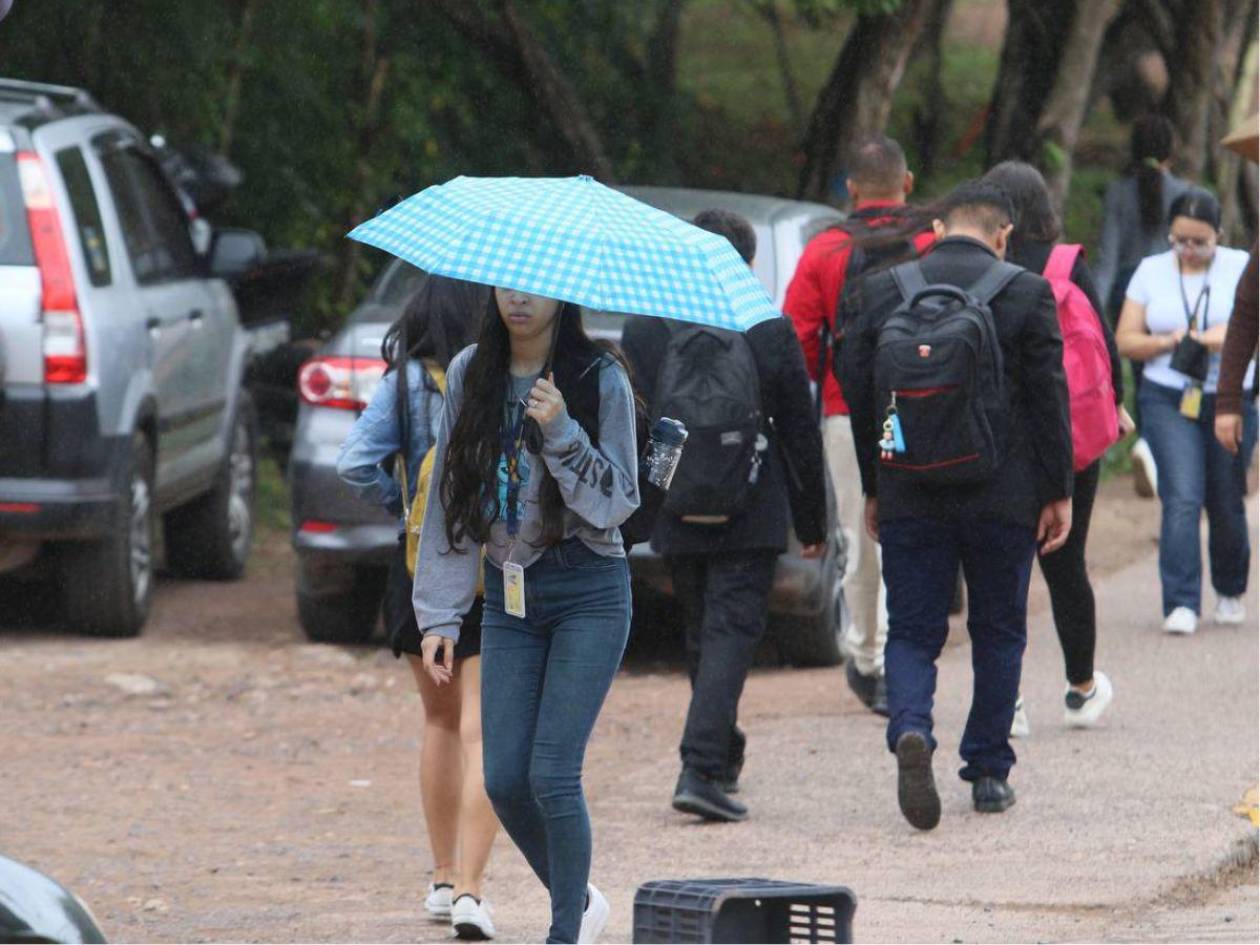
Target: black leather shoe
{"points": [[992, 795], [879, 705], [916, 787], [704, 797], [863, 686], [729, 781]]}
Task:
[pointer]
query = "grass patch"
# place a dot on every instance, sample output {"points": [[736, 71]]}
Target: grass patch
{"points": [[271, 498]]}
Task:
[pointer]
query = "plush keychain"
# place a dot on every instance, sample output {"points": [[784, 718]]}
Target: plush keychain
{"points": [[893, 441]]}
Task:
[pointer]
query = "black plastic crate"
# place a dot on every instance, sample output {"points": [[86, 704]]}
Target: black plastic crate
{"points": [[742, 910]]}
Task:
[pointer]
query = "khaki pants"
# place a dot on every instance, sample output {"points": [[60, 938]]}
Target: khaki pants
{"points": [[863, 587]]}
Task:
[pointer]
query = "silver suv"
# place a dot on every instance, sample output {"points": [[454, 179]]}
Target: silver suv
{"points": [[343, 544], [120, 367]]}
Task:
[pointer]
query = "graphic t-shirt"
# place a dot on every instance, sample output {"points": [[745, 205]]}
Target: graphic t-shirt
{"points": [[518, 389]]}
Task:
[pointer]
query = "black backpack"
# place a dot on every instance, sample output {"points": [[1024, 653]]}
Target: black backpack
{"points": [[939, 379], [708, 379]]}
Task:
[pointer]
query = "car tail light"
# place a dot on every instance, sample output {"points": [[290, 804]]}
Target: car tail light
{"points": [[338, 382], [65, 355], [315, 527]]}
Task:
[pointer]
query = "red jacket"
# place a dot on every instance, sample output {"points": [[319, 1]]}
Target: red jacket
{"points": [[813, 296]]}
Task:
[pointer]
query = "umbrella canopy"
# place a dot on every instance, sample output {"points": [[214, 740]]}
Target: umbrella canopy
{"points": [[1245, 139], [574, 239]]}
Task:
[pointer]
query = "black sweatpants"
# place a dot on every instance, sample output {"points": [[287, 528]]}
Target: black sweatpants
{"points": [[725, 598], [1071, 597]]}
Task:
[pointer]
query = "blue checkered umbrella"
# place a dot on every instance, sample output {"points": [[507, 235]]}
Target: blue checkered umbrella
{"points": [[572, 238]]}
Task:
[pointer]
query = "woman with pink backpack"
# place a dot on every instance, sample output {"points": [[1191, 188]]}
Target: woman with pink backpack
{"points": [[1096, 394]]}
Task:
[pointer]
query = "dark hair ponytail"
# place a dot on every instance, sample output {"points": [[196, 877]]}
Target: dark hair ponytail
{"points": [[1150, 145], [1197, 204]]}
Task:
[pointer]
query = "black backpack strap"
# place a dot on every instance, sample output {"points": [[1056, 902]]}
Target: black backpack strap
{"points": [[909, 279], [996, 278]]}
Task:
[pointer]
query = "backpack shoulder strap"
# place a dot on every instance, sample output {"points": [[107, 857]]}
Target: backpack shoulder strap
{"points": [[909, 279], [996, 278], [1062, 260]]}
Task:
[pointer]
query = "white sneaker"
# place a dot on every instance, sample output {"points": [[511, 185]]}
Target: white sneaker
{"points": [[438, 902], [594, 917], [1230, 612], [1182, 620], [1145, 473], [1019, 724], [470, 919], [1082, 711]]}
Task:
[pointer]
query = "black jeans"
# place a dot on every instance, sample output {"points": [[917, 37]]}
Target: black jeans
{"points": [[725, 598], [921, 558], [1071, 596]]}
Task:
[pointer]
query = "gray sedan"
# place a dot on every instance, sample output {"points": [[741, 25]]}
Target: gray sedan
{"points": [[343, 544]]}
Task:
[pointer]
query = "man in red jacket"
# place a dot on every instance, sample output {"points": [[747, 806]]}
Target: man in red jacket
{"points": [[878, 185]]}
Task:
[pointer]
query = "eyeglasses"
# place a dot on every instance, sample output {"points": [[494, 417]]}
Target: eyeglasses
{"points": [[1190, 242]]}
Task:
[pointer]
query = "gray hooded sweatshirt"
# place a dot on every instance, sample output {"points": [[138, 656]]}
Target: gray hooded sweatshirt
{"points": [[600, 488]]}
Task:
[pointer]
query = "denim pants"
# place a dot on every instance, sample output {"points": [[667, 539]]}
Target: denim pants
{"points": [[726, 598], [921, 558], [543, 682], [1196, 473]]}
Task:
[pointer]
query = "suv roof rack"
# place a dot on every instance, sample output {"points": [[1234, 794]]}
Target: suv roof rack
{"points": [[46, 101]]}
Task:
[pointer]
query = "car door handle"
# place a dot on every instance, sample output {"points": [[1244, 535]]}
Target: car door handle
{"points": [[196, 315], [153, 324]]}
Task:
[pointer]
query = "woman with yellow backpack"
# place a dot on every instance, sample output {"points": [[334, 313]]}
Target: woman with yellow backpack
{"points": [[437, 323]]}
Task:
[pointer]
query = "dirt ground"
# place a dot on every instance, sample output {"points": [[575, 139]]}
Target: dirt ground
{"points": [[220, 779]]}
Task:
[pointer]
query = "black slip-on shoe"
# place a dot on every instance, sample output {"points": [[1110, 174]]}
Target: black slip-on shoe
{"points": [[863, 686], [704, 797], [992, 795], [879, 705], [916, 787]]}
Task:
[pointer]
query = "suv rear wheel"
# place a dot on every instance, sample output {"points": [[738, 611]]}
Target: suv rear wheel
{"points": [[211, 536], [349, 617], [108, 584]]}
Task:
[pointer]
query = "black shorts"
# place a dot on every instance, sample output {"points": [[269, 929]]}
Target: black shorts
{"points": [[400, 615]]}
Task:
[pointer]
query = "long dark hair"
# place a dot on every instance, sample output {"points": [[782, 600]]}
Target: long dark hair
{"points": [[1035, 219], [438, 322], [1149, 146], [470, 488]]}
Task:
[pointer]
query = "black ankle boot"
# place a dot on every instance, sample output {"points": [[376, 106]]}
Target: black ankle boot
{"points": [[696, 794], [992, 795]]}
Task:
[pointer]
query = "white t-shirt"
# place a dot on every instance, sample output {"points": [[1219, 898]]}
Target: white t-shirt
{"points": [[1156, 285]]}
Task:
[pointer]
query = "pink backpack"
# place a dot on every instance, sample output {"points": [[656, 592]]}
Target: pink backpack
{"points": [[1095, 423]]}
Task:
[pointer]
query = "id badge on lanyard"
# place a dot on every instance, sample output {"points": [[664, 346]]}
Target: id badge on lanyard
{"points": [[513, 573]]}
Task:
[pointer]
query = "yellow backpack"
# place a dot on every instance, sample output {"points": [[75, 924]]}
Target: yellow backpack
{"points": [[416, 505]]}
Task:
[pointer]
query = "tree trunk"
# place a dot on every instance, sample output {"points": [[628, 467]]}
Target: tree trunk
{"points": [[1065, 108], [1036, 32], [927, 119], [855, 102], [1237, 176], [1192, 87], [511, 46], [769, 11], [235, 77], [662, 72], [373, 68]]}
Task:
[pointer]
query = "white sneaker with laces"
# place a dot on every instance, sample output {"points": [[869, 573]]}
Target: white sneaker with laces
{"points": [[1230, 612], [1145, 473], [1182, 620], [1019, 724], [470, 918], [594, 917], [1082, 711], [438, 902]]}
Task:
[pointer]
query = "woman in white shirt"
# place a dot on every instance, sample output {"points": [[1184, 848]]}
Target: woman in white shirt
{"points": [[1174, 317]]}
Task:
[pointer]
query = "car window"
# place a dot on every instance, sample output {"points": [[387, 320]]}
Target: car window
{"points": [[15, 240], [154, 227], [87, 214], [398, 284]]}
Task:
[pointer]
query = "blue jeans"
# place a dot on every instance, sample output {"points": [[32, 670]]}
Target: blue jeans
{"points": [[1195, 473], [543, 682], [921, 558]]}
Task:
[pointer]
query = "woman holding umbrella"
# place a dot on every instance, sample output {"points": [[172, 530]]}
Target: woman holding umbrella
{"points": [[557, 599]]}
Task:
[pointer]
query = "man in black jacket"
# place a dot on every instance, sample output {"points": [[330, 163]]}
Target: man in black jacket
{"points": [[722, 574], [992, 528]]}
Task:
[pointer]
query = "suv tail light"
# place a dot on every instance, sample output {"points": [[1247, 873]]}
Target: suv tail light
{"points": [[339, 382], [65, 355]]}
